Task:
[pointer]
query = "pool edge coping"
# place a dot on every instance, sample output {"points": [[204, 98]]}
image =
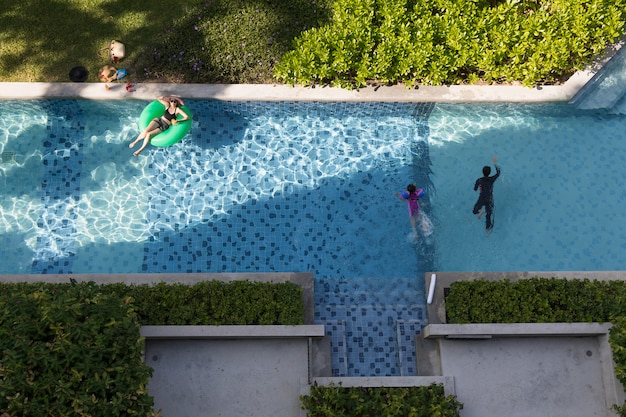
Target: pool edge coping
{"points": [[279, 92]]}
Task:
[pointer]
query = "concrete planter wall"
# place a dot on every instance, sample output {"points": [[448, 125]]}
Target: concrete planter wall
{"points": [[522, 369], [229, 370]]}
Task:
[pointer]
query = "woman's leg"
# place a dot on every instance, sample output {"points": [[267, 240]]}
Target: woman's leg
{"points": [[146, 140], [153, 125]]}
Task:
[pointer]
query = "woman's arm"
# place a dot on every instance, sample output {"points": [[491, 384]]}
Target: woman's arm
{"points": [[181, 111], [166, 99]]}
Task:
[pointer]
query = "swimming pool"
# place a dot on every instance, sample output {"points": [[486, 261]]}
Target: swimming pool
{"points": [[262, 187]]}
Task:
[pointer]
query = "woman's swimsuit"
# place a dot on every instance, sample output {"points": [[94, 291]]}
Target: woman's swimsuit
{"points": [[165, 121]]}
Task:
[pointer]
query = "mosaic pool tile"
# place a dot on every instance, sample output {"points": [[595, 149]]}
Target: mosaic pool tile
{"points": [[407, 330], [335, 331], [62, 161], [298, 228]]}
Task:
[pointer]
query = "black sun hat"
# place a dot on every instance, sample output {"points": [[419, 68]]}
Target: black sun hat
{"points": [[79, 74]]}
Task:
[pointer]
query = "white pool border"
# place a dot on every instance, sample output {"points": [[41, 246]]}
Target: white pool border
{"points": [[278, 92]]}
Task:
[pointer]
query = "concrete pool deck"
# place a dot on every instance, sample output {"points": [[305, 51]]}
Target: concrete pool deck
{"points": [[276, 92]]}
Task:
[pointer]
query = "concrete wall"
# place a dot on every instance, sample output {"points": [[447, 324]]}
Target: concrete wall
{"points": [[555, 369]]}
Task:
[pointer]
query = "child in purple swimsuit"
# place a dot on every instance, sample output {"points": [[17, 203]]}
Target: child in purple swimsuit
{"points": [[411, 195]]}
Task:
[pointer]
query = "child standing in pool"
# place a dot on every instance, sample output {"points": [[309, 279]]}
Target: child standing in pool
{"points": [[412, 195]]}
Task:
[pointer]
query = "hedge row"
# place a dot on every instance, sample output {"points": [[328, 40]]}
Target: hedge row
{"points": [[534, 300], [215, 303], [70, 350], [205, 303], [436, 42], [335, 401]]}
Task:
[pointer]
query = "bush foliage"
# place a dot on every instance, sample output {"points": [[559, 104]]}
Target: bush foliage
{"points": [[533, 300], [215, 303], [617, 337], [336, 401], [436, 42], [70, 350]]}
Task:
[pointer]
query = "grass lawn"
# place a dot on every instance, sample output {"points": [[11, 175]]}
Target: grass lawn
{"points": [[215, 41]]}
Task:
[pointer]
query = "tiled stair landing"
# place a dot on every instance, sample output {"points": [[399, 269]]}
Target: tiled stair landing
{"points": [[372, 330]]}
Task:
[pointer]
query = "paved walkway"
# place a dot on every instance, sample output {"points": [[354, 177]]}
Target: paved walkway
{"points": [[272, 92]]}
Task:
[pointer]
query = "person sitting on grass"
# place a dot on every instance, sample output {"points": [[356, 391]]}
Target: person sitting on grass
{"points": [[160, 124]]}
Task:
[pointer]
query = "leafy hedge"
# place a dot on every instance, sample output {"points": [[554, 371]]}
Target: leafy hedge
{"points": [[336, 401], [205, 303], [534, 300], [545, 300], [70, 351], [215, 303], [75, 349], [617, 337], [436, 42]]}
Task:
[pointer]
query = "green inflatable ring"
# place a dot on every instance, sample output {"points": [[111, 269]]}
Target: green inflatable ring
{"points": [[172, 135]]}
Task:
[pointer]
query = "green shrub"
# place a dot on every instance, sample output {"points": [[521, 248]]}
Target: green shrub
{"points": [[438, 42], [204, 303], [216, 303], [617, 337], [534, 300], [335, 401], [70, 350]]}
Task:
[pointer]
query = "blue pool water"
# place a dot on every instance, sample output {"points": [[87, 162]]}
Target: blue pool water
{"points": [[262, 187]]}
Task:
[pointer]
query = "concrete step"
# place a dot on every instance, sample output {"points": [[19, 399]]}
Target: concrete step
{"points": [[427, 356]]}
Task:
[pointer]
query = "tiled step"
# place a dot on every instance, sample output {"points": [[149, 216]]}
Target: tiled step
{"points": [[620, 107], [364, 339], [335, 329], [369, 292], [370, 310], [407, 331]]}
